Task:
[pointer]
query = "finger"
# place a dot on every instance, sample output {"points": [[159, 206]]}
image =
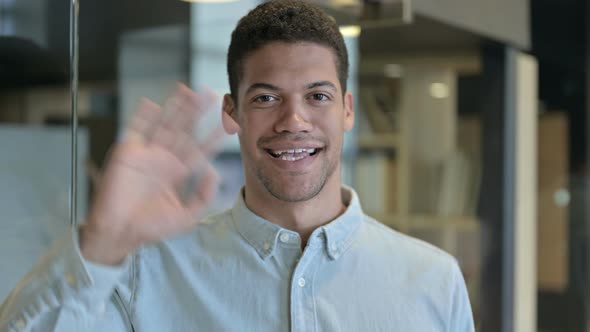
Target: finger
{"points": [[143, 122], [192, 156], [180, 113], [213, 143], [168, 131], [165, 137], [208, 101], [211, 100], [191, 107], [182, 109], [205, 191], [187, 151]]}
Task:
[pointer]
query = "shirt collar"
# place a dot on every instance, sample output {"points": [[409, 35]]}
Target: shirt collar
{"points": [[335, 236]]}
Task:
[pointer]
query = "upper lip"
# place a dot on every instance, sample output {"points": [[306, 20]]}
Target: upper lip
{"points": [[291, 142]]}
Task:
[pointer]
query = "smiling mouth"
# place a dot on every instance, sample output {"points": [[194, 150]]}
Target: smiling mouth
{"points": [[293, 154]]}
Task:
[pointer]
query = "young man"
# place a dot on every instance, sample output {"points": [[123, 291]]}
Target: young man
{"points": [[295, 252]]}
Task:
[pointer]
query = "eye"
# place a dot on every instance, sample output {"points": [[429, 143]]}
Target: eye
{"points": [[265, 99], [320, 97]]}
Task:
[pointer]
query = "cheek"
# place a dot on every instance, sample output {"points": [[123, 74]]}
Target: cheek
{"points": [[252, 129], [259, 123], [332, 126]]}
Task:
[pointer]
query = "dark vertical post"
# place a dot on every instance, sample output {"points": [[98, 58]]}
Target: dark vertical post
{"points": [[496, 206]]}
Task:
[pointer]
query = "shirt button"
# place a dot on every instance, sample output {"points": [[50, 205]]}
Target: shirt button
{"points": [[284, 237], [301, 282], [266, 245], [71, 280], [20, 324], [101, 309]]}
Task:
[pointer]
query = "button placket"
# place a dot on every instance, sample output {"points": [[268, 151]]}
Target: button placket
{"points": [[285, 238], [302, 312], [301, 282]]}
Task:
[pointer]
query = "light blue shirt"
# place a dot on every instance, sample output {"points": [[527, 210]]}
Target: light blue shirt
{"points": [[239, 272]]}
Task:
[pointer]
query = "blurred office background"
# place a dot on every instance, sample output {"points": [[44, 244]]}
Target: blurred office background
{"points": [[472, 129]]}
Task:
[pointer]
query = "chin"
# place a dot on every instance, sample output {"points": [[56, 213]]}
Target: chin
{"points": [[294, 192], [293, 186], [294, 197]]}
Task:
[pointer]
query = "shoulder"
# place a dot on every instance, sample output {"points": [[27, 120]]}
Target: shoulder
{"points": [[221, 223], [214, 232], [213, 227], [403, 251], [422, 270]]}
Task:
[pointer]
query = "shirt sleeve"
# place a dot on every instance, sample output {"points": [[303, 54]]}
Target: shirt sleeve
{"points": [[461, 313], [63, 292]]}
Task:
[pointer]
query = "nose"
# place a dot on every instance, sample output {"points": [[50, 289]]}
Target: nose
{"points": [[293, 119]]}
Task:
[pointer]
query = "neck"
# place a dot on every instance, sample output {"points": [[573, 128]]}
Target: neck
{"points": [[301, 217]]}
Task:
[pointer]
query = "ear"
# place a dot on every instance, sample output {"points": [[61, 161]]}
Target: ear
{"points": [[229, 115], [348, 111]]}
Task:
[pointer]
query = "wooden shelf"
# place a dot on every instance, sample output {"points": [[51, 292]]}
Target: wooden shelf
{"points": [[379, 141]]}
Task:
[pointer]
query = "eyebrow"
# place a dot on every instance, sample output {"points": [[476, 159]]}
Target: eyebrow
{"points": [[322, 84], [268, 86], [265, 86]]}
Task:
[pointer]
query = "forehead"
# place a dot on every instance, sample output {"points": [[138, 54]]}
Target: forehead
{"points": [[290, 64]]}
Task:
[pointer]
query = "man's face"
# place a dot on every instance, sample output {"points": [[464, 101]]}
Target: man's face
{"points": [[292, 116]]}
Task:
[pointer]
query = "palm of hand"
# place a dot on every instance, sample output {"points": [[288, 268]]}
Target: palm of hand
{"points": [[139, 199]]}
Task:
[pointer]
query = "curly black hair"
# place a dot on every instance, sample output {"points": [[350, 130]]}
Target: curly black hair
{"points": [[288, 21]]}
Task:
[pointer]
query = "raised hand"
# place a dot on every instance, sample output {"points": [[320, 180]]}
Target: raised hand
{"points": [[142, 195]]}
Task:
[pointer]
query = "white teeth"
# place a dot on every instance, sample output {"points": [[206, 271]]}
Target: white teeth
{"points": [[287, 158], [294, 151]]}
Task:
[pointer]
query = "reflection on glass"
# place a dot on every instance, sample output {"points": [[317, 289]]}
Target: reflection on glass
{"points": [[419, 167]]}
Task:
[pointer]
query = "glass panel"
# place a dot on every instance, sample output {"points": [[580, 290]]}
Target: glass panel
{"points": [[419, 169], [35, 134], [415, 155]]}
